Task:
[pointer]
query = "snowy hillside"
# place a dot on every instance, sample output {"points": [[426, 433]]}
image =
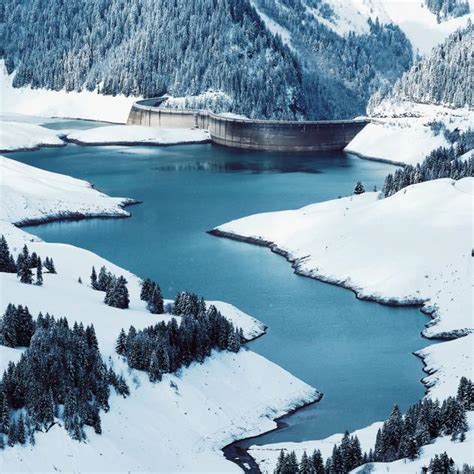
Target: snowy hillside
{"points": [[190, 415], [33, 195], [425, 109], [416, 20], [391, 264]]}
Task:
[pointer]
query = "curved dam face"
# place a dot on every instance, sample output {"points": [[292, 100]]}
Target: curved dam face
{"points": [[247, 133]]}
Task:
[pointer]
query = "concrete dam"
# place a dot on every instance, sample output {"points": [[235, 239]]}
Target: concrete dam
{"points": [[269, 135]]}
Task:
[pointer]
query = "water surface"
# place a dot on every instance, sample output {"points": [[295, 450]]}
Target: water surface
{"points": [[359, 354]]}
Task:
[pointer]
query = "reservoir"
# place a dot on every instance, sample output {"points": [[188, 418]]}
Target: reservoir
{"points": [[358, 353]]}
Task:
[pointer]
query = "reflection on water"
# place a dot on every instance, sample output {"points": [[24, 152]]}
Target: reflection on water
{"points": [[357, 353]]}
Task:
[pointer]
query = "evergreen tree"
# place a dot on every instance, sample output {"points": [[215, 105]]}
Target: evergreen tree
{"points": [[24, 271], [49, 265], [39, 273], [359, 188], [317, 462], [94, 279], [147, 289], [7, 263], [117, 294], [305, 466], [155, 302], [21, 431], [121, 345]]}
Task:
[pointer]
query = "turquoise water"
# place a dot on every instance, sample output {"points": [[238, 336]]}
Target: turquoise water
{"points": [[359, 354]]}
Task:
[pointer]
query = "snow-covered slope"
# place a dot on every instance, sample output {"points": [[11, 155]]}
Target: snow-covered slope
{"points": [[50, 103], [417, 22], [414, 247], [405, 135], [24, 136], [136, 134], [33, 195]]}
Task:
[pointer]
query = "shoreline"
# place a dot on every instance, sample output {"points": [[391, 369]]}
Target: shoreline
{"points": [[242, 458], [375, 158], [429, 311]]}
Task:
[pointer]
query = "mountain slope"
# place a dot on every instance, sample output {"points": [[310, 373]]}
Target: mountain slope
{"points": [[148, 48], [442, 78]]}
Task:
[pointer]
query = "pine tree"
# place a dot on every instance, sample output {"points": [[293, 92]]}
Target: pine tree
{"points": [[121, 345], [7, 263], [49, 265], [305, 466], [147, 290], [154, 372], [24, 271], [359, 188], [94, 279], [39, 272], [155, 300], [317, 462], [21, 431]]}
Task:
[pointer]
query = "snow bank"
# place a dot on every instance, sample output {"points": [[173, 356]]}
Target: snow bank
{"points": [[401, 132], [49, 103], [137, 134], [33, 195], [159, 428], [26, 136]]}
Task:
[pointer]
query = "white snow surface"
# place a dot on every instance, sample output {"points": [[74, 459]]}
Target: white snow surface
{"points": [[50, 103], [25, 136], [137, 134], [29, 194], [401, 133], [161, 427]]}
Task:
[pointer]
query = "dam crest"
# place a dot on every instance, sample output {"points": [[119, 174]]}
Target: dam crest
{"points": [[250, 134]]}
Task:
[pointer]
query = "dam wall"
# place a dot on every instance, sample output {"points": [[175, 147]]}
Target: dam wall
{"points": [[247, 133]]}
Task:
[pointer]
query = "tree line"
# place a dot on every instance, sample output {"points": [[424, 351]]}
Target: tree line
{"points": [[440, 163], [166, 347], [401, 436], [24, 264], [60, 376]]}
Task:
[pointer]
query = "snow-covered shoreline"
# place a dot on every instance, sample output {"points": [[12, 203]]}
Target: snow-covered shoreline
{"points": [[137, 135], [400, 237]]}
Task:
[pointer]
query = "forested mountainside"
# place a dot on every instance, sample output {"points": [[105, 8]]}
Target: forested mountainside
{"points": [[442, 78], [444, 9], [187, 48], [149, 48], [345, 69]]}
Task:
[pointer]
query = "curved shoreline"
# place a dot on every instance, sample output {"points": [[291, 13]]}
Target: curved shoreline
{"points": [[240, 456], [295, 264], [375, 158]]}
